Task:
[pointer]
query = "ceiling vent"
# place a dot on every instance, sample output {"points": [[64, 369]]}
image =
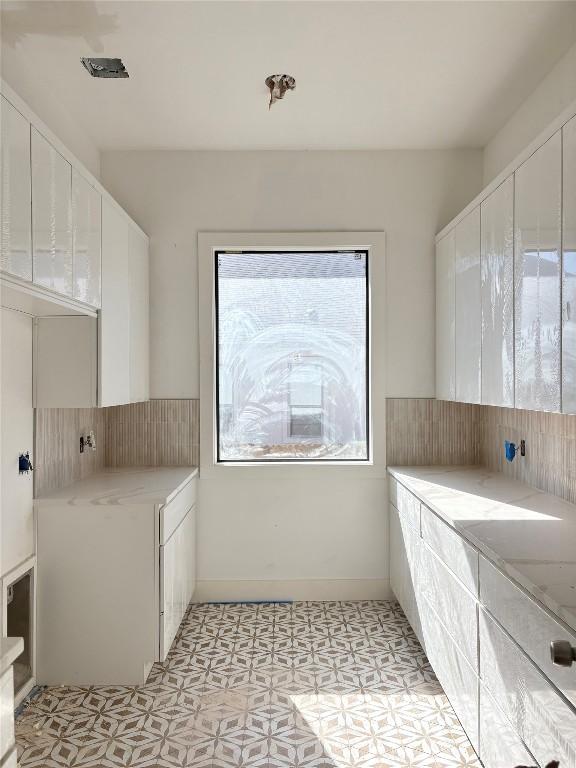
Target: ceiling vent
{"points": [[105, 67]]}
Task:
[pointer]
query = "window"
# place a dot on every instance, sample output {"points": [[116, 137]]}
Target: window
{"points": [[292, 356]]}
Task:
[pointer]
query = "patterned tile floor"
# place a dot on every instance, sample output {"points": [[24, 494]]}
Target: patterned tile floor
{"points": [[308, 685]]}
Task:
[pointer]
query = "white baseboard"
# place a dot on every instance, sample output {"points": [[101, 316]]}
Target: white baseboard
{"points": [[300, 589]]}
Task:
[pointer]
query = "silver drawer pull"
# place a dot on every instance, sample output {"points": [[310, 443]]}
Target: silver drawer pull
{"points": [[562, 653]]}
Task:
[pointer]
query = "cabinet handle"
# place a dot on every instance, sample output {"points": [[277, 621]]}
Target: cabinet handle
{"points": [[562, 653]]}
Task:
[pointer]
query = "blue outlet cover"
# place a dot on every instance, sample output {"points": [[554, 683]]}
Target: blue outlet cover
{"points": [[510, 450]]}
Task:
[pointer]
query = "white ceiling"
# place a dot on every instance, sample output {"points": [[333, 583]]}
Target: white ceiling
{"points": [[369, 74]]}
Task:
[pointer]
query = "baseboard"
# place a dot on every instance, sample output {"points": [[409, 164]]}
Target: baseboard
{"points": [[299, 589]]}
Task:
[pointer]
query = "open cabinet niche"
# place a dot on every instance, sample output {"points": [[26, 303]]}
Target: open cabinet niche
{"points": [[19, 594]]}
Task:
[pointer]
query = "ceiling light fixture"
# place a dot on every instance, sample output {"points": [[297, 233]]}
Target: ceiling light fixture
{"points": [[278, 85], [105, 67]]}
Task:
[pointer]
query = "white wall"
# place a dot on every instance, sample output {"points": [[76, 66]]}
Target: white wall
{"points": [[308, 537], [410, 195], [547, 101]]}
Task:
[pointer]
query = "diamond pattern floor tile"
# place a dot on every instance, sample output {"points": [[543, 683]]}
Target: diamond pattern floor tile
{"points": [[307, 685]]}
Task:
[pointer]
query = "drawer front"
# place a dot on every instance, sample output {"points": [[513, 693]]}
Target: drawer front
{"points": [[7, 710], [408, 506], [457, 554], [500, 745], [457, 609], [528, 623], [173, 513], [544, 721], [456, 676], [404, 555]]}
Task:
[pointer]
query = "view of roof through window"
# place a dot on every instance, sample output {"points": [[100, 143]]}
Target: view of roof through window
{"points": [[292, 347]]}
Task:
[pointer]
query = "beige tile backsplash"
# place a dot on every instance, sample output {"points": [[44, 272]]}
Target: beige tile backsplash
{"points": [[422, 431], [418, 431], [425, 431], [57, 458], [156, 433]]}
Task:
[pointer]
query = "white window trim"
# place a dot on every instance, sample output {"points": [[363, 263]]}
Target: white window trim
{"points": [[374, 243]]}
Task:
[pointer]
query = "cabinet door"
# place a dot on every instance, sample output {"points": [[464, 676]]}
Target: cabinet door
{"points": [[569, 276], [86, 223], [537, 278], [445, 311], [497, 291], [178, 569], [139, 318], [468, 309], [15, 226], [51, 217], [114, 319]]}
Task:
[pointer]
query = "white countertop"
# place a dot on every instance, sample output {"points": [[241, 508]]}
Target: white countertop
{"points": [[10, 649], [124, 486], [529, 534]]}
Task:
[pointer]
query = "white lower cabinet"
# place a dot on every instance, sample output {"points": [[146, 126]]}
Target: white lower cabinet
{"points": [[544, 721], [456, 608], [456, 675], [507, 749], [6, 711], [111, 592], [515, 706], [178, 578], [404, 556]]}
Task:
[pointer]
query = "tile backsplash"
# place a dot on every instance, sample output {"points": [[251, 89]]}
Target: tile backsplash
{"points": [[155, 433], [550, 461], [57, 458], [418, 431], [425, 431]]}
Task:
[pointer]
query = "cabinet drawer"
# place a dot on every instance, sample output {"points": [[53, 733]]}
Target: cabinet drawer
{"points": [[545, 722], [531, 626], [455, 674], [457, 554], [500, 745], [173, 513], [456, 608], [404, 556], [393, 490], [408, 506], [7, 710]]}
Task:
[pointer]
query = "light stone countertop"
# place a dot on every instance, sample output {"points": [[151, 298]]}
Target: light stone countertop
{"points": [[123, 486], [10, 649], [528, 534]]}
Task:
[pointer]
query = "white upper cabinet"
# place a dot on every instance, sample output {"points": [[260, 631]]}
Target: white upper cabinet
{"points": [[114, 319], [16, 223], [569, 276], [497, 290], [445, 316], [139, 317], [468, 309], [51, 217], [86, 227], [538, 205]]}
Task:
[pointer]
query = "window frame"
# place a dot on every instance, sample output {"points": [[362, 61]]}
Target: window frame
{"points": [[293, 460], [371, 241]]}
